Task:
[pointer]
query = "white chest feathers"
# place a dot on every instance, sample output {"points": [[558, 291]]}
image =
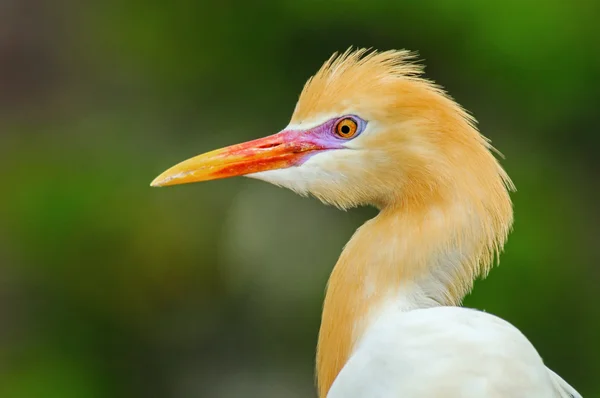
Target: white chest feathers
{"points": [[447, 352]]}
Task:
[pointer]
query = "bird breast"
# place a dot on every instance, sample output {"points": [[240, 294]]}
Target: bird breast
{"points": [[443, 352]]}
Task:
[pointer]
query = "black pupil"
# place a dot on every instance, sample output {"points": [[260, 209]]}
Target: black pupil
{"points": [[345, 129]]}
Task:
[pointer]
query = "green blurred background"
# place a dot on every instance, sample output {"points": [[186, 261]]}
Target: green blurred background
{"points": [[109, 288]]}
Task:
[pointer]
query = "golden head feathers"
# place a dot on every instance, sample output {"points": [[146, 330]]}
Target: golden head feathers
{"points": [[419, 139], [344, 80]]}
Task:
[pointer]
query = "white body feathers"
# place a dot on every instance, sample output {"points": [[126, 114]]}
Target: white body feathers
{"points": [[447, 352]]}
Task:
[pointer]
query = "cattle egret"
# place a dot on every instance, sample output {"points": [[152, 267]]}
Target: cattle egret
{"points": [[368, 129]]}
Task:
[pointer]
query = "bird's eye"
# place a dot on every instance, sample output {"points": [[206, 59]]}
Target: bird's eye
{"points": [[346, 128]]}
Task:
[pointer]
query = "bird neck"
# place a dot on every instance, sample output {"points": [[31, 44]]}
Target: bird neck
{"points": [[408, 256]]}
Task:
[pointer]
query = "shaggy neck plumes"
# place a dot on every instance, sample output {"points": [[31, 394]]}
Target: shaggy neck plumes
{"points": [[414, 254]]}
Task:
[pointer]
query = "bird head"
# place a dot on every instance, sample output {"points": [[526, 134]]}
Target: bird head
{"points": [[367, 129]]}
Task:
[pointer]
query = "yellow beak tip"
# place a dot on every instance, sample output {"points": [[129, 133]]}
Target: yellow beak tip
{"points": [[158, 182], [173, 176]]}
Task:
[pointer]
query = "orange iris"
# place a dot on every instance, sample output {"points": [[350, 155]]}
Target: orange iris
{"points": [[346, 128]]}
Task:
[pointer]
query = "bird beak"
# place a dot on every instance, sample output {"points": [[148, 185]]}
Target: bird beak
{"points": [[281, 150]]}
